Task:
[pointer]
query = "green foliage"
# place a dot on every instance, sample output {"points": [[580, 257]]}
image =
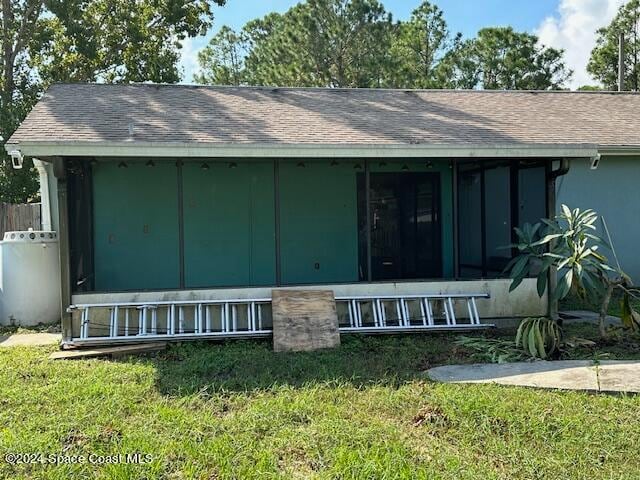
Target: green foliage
{"points": [[340, 43], [46, 41], [222, 61], [603, 63], [324, 43], [417, 48], [501, 58], [539, 337], [569, 243], [494, 350]]}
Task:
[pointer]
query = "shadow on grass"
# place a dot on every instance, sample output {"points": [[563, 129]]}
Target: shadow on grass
{"points": [[243, 365], [360, 361]]}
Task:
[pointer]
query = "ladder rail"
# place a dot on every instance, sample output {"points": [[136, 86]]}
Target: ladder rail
{"points": [[234, 312]]}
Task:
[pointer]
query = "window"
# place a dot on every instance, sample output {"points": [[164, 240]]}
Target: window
{"points": [[493, 198]]}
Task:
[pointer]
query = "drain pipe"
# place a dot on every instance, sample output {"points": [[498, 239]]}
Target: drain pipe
{"points": [[45, 202], [563, 169]]}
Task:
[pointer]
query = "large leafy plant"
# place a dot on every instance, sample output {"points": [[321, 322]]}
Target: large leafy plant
{"points": [[570, 245]]}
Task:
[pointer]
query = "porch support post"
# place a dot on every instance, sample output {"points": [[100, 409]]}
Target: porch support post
{"points": [[59, 170], [456, 227], [367, 188]]}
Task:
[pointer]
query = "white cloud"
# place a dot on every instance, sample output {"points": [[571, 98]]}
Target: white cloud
{"points": [[189, 56], [573, 28]]}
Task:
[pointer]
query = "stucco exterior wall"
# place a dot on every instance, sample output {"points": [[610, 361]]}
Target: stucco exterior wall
{"points": [[522, 302], [612, 190]]}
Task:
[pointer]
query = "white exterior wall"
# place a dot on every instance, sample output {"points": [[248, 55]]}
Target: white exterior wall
{"points": [[522, 302]]}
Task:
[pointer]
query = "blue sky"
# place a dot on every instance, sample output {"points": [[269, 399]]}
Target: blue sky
{"points": [[568, 24]]}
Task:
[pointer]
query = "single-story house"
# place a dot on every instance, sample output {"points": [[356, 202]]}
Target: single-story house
{"points": [[180, 208]]}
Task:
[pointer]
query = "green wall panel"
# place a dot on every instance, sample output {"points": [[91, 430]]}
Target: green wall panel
{"points": [[229, 224], [318, 222], [135, 217], [446, 193]]}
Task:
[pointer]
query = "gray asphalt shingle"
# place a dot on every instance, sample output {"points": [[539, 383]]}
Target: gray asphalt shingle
{"points": [[290, 116]]}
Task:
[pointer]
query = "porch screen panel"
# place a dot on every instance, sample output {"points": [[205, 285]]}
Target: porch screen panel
{"points": [[229, 223], [497, 201], [135, 216], [470, 222], [493, 198], [532, 204], [318, 221]]}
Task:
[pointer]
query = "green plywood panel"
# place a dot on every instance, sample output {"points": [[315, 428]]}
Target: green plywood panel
{"points": [[318, 222], [443, 167], [229, 224], [135, 215]]}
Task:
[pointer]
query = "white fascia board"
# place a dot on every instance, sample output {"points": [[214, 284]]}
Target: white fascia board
{"points": [[186, 150]]}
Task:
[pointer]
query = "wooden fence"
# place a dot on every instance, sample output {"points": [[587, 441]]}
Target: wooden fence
{"points": [[15, 217]]}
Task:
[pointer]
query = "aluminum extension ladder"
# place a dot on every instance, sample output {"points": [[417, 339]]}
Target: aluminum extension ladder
{"points": [[130, 322], [411, 312], [136, 321]]}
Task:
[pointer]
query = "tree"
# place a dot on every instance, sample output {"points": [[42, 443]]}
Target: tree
{"points": [[323, 43], [222, 61], [603, 63], [45, 41], [417, 48], [501, 58], [570, 244]]}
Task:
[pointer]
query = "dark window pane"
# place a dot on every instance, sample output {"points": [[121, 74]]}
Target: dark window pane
{"points": [[531, 195], [498, 217], [470, 222], [405, 228]]}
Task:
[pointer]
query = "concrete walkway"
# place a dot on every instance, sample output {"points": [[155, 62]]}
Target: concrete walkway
{"points": [[606, 376], [29, 339]]}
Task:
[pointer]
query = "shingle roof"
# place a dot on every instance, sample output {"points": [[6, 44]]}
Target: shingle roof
{"points": [[314, 116]]}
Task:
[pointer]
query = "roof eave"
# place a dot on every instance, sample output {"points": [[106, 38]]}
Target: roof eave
{"points": [[204, 150]]}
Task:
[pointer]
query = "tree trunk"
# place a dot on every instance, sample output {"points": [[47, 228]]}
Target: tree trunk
{"points": [[7, 53], [604, 308]]}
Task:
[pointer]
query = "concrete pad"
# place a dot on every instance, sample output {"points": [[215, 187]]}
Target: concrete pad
{"points": [[619, 376], [586, 316], [564, 375], [29, 339]]}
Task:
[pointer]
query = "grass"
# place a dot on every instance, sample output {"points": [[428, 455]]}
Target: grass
{"points": [[40, 328], [364, 410]]}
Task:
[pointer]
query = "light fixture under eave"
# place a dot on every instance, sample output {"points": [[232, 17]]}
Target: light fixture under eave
{"points": [[204, 166], [429, 164], [334, 163], [150, 163], [123, 165], [357, 166], [382, 164], [300, 165], [405, 167], [233, 165]]}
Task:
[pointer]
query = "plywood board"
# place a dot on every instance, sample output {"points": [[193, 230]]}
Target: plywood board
{"points": [[107, 351], [304, 320]]}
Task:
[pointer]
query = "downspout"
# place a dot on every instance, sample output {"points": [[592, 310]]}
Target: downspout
{"points": [[563, 169], [45, 201]]}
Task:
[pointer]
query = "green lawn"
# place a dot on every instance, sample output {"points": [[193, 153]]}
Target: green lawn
{"points": [[238, 410]]}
